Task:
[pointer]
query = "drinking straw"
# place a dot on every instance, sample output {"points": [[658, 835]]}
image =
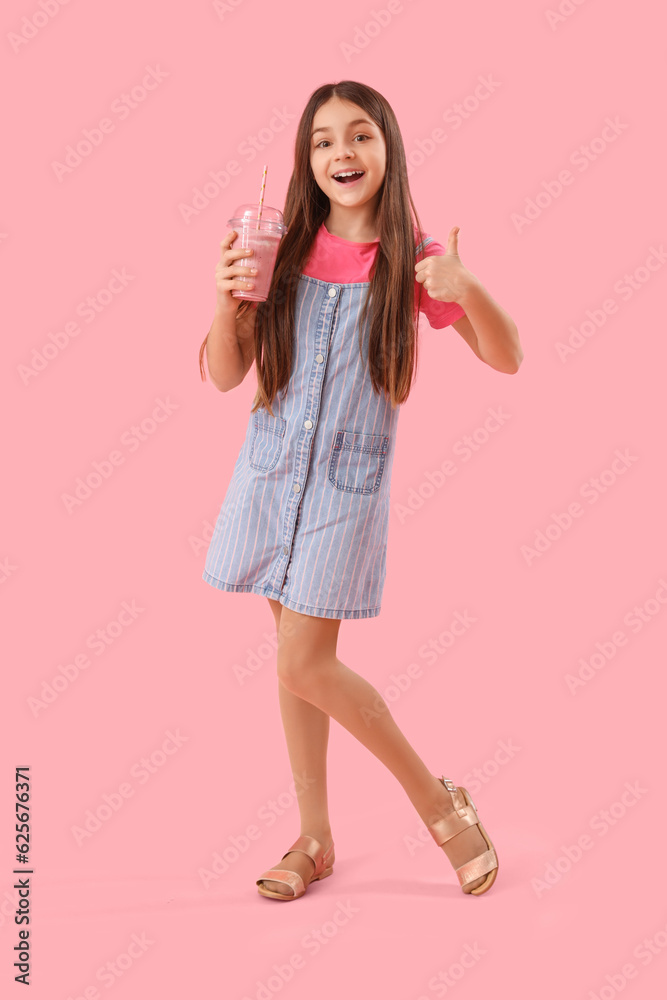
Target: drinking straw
{"points": [[261, 194]]}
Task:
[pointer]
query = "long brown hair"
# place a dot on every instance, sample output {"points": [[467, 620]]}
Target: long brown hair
{"points": [[392, 349]]}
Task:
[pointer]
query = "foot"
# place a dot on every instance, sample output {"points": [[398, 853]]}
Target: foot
{"points": [[465, 845], [297, 862]]}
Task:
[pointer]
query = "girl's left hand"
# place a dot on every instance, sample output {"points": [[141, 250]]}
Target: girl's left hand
{"points": [[445, 278]]}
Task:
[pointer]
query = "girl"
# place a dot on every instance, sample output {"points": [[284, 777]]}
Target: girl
{"points": [[305, 518]]}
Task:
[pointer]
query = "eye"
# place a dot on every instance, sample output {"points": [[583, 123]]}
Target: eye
{"points": [[357, 136]]}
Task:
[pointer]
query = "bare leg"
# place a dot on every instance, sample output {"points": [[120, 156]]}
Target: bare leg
{"points": [[309, 668], [307, 735]]}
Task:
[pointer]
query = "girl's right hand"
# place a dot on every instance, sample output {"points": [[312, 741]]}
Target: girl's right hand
{"points": [[227, 274]]}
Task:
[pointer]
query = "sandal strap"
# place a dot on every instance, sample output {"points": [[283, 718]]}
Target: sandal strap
{"points": [[313, 849], [306, 845], [481, 865], [459, 820], [292, 879]]}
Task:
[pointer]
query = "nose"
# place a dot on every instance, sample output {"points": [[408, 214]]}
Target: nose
{"points": [[344, 153]]}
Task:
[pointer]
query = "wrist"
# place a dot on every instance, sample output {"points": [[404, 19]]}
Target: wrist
{"points": [[227, 309], [470, 291]]}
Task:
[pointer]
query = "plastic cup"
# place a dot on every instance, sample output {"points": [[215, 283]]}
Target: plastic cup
{"points": [[264, 241]]}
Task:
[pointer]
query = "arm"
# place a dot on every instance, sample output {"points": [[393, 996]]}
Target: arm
{"points": [[230, 348], [490, 332]]}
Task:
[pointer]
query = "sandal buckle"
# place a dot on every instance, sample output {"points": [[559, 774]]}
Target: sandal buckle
{"points": [[449, 784]]}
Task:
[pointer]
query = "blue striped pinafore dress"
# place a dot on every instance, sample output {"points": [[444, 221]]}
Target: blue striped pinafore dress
{"points": [[305, 517]]}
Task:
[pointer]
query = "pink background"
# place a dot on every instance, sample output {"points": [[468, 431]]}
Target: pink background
{"points": [[561, 920]]}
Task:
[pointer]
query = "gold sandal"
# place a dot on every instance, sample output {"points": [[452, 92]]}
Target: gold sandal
{"points": [[323, 861], [465, 815]]}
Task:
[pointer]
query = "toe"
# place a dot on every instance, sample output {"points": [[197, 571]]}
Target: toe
{"points": [[473, 885], [295, 862], [273, 886]]}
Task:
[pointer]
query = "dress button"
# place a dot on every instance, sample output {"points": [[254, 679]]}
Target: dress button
{"points": [[285, 550], [296, 488], [308, 424], [332, 292], [319, 358]]}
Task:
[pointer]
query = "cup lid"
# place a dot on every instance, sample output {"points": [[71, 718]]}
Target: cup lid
{"points": [[272, 218]]}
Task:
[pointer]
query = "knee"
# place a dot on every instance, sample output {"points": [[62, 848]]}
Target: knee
{"points": [[298, 674], [292, 672]]}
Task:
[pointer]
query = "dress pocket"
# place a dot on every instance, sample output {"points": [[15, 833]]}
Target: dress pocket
{"points": [[357, 461], [267, 440]]}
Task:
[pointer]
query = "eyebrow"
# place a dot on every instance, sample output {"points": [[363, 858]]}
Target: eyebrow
{"points": [[357, 121]]}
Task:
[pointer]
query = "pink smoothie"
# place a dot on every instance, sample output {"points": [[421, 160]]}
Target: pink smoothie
{"points": [[265, 247]]}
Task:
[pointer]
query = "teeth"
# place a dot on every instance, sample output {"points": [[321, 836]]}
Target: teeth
{"points": [[348, 173]]}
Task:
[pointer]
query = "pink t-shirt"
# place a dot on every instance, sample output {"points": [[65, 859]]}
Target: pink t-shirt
{"points": [[334, 259]]}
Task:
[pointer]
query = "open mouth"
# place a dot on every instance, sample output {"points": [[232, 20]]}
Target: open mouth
{"points": [[348, 176]]}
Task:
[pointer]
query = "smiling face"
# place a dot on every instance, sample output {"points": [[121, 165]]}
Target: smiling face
{"points": [[344, 139]]}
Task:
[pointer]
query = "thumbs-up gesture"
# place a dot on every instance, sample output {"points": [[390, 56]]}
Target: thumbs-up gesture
{"points": [[444, 277]]}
